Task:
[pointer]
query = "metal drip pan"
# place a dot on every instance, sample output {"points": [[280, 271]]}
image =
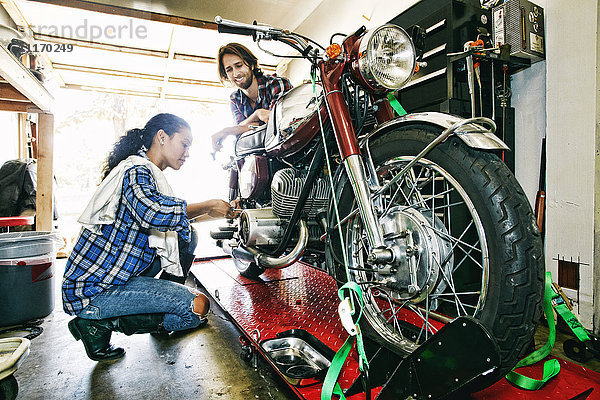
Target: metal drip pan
{"points": [[296, 355]]}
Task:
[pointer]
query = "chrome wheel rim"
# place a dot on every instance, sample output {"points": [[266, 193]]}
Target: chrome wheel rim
{"points": [[429, 190]]}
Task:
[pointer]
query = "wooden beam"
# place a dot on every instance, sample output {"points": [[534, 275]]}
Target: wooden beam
{"points": [[168, 65], [22, 135], [23, 80], [106, 72], [146, 94], [127, 74], [199, 82], [111, 90], [196, 99], [8, 92], [133, 13], [45, 173], [19, 106]]}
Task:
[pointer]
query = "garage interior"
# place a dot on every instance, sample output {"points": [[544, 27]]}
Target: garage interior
{"points": [[109, 65]]}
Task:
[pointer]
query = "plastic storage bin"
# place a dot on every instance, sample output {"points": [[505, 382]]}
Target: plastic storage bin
{"points": [[26, 288], [27, 244]]}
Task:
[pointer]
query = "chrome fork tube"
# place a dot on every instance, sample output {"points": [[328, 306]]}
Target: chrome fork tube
{"points": [[358, 180], [373, 182]]}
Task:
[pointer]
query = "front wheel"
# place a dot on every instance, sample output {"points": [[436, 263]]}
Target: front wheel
{"points": [[464, 241]]}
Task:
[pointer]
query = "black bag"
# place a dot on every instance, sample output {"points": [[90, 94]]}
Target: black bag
{"points": [[17, 187]]}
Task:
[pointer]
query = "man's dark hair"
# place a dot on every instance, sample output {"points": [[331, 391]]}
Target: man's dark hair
{"points": [[241, 51]]}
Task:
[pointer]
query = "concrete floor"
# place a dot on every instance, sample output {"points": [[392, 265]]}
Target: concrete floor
{"points": [[203, 364]]}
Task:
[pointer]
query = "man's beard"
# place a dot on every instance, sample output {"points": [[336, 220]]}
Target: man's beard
{"points": [[246, 84]]}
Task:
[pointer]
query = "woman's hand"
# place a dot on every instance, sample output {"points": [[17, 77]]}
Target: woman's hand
{"points": [[222, 209], [211, 209]]}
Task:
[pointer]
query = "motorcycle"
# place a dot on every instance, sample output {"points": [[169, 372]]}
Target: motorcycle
{"points": [[418, 210]]}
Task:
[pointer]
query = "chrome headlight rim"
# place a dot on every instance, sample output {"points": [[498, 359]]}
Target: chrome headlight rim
{"points": [[365, 63]]}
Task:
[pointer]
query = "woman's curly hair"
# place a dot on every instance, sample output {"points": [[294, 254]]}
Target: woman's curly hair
{"points": [[141, 139]]}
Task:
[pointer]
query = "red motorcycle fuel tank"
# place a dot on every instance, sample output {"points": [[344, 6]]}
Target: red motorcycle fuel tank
{"points": [[253, 175], [296, 121]]}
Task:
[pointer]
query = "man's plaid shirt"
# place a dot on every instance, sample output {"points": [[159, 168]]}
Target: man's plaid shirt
{"points": [[270, 88], [121, 251]]}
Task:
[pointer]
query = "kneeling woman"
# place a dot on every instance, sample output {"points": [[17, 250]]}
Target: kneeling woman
{"points": [[132, 219]]}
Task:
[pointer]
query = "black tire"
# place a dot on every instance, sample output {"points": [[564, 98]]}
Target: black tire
{"points": [[9, 388], [508, 303]]}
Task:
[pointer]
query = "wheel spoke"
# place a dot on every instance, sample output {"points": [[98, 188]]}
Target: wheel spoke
{"points": [[450, 282], [417, 311], [393, 196], [445, 229], [438, 295], [453, 239], [391, 309], [467, 255], [464, 304]]}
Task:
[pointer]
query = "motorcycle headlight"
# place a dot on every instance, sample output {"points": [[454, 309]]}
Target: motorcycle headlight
{"points": [[386, 57]]}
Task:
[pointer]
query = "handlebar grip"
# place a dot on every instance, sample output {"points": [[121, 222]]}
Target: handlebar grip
{"points": [[235, 30]]}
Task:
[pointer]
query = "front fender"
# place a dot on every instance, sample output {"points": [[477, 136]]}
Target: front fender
{"points": [[474, 135]]}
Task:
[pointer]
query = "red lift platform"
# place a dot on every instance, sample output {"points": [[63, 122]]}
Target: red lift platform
{"points": [[302, 297]]}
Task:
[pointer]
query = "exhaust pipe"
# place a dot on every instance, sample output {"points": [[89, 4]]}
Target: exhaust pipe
{"points": [[264, 260]]}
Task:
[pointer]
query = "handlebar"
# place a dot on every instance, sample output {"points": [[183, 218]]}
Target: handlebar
{"points": [[266, 32], [240, 28]]}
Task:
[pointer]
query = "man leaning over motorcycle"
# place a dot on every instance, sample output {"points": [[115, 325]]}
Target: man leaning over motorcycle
{"points": [[256, 92]]}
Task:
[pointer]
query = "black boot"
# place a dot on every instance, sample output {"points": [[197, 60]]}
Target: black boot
{"points": [[95, 335], [139, 323]]}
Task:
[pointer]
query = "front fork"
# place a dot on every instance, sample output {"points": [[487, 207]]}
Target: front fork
{"points": [[358, 180], [331, 71]]}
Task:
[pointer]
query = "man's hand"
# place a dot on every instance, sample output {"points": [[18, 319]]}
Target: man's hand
{"points": [[217, 139], [263, 114]]}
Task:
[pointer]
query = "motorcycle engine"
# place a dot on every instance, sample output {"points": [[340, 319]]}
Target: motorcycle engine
{"points": [[265, 226], [285, 191]]}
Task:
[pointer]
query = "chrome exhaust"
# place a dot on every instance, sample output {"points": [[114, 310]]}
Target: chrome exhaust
{"points": [[266, 261]]}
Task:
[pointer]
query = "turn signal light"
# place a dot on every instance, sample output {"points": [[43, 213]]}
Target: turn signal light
{"points": [[333, 50]]}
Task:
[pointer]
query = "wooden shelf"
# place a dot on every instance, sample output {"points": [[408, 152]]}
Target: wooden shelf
{"points": [[22, 91]]}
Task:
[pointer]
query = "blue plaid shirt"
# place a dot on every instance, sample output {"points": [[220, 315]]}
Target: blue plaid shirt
{"points": [[270, 89], [121, 251]]}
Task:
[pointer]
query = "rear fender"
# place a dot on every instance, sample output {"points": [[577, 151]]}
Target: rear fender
{"points": [[473, 135]]}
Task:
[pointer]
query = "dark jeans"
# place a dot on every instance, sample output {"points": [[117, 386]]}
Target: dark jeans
{"points": [[146, 295]]}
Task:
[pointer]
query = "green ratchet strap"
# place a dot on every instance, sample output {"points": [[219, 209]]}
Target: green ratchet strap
{"points": [[551, 367], [396, 104], [347, 310], [561, 309]]}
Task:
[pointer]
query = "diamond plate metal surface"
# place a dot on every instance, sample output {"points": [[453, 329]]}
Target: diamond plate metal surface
{"points": [[298, 296]]}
